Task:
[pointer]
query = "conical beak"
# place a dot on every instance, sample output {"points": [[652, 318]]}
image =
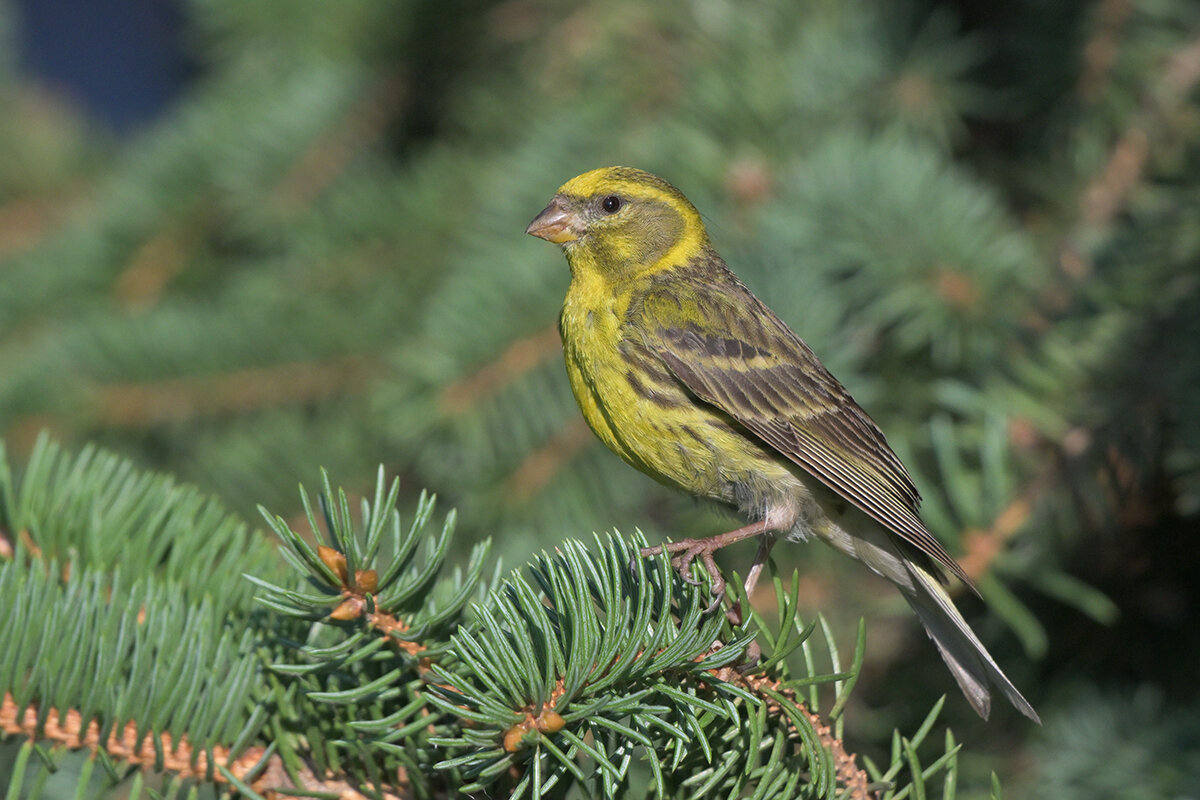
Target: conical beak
{"points": [[557, 223]]}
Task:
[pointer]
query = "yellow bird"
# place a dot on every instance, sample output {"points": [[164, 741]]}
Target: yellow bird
{"points": [[690, 378]]}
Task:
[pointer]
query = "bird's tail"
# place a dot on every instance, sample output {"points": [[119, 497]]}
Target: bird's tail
{"points": [[969, 661]]}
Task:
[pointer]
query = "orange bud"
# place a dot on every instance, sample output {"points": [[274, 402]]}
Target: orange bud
{"points": [[367, 580], [350, 608], [514, 735], [334, 560], [550, 722]]}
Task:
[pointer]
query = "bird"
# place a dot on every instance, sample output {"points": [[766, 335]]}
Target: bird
{"points": [[680, 370]]}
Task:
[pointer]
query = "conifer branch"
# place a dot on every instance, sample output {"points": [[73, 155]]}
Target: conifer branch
{"points": [[386, 680], [128, 744], [773, 693], [256, 767]]}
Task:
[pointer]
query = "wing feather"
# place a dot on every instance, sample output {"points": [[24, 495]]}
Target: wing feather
{"points": [[762, 375]]}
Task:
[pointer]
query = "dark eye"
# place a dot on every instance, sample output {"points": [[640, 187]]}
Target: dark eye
{"points": [[610, 204]]}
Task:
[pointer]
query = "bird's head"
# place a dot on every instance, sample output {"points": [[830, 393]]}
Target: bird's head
{"points": [[620, 221]]}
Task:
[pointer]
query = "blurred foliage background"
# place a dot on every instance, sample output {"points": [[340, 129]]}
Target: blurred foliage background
{"points": [[984, 217]]}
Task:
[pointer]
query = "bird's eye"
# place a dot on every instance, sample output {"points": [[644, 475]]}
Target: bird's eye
{"points": [[610, 204]]}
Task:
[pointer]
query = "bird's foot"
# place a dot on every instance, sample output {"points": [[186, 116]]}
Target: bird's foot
{"points": [[683, 553]]}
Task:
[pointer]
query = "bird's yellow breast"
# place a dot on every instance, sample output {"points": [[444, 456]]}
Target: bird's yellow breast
{"points": [[591, 334], [648, 418]]}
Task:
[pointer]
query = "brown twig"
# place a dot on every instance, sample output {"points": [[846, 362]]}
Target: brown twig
{"points": [[156, 262], [850, 775], [144, 404], [179, 756], [25, 221], [537, 468], [983, 546], [516, 360]]}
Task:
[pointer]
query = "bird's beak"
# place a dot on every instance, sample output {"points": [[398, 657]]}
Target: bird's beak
{"points": [[557, 223]]}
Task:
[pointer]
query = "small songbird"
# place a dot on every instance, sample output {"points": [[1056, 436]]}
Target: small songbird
{"points": [[690, 378]]}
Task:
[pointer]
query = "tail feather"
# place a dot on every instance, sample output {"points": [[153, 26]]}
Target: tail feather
{"points": [[969, 661]]}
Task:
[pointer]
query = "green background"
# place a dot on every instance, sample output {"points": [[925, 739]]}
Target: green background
{"points": [[985, 219]]}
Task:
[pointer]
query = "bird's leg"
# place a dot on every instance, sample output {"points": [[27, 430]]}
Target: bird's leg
{"points": [[765, 543], [685, 551]]}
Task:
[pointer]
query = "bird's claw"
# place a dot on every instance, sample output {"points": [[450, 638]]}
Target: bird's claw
{"points": [[683, 553], [753, 656], [718, 599]]}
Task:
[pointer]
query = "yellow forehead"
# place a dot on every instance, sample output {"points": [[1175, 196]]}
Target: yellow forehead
{"points": [[618, 180]]}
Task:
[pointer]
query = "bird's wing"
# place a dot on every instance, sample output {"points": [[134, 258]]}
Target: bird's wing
{"points": [[732, 352]]}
